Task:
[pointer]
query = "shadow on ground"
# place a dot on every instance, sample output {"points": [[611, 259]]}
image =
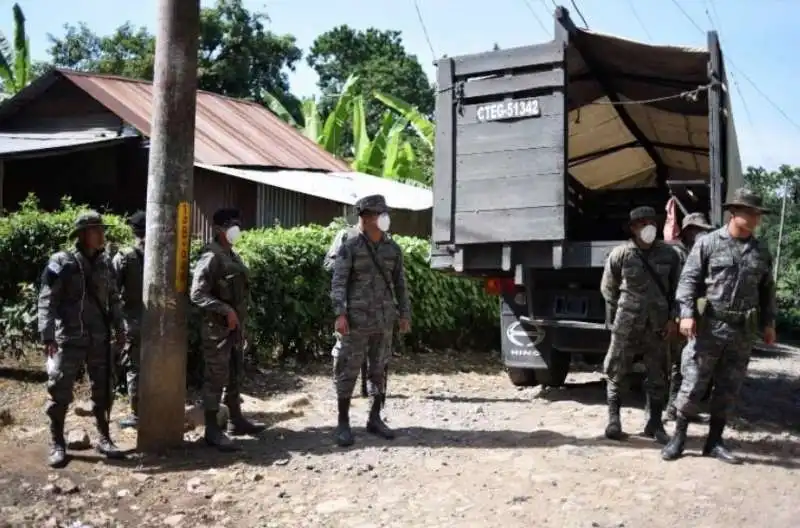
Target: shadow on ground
{"points": [[769, 402], [23, 374]]}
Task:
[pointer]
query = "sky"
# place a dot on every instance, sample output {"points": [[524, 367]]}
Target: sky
{"points": [[758, 40]]}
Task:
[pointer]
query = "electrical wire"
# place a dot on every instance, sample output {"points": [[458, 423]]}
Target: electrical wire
{"points": [[538, 19], [639, 19], [578, 10], [688, 95], [424, 29], [741, 72]]}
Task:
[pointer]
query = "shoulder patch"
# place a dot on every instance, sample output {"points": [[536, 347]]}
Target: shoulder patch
{"points": [[54, 267]]}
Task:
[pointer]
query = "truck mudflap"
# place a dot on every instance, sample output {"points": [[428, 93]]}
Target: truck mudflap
{"points": [[524, 343]]}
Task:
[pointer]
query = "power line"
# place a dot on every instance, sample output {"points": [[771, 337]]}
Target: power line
{"points": [[424, 29], [639, 19], [578, 10], [741, 72], [539, 20]]}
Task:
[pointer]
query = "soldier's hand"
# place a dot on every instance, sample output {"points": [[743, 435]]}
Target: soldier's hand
{"points": [[404, 325], [769, 335], [50, 348], [233, 320], [341, 326], [688, 327], [670, 330]]}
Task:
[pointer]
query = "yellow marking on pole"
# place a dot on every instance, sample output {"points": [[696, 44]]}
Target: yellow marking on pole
{"points": [[183, 233]]}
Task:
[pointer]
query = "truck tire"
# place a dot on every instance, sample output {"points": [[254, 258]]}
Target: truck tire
{"points": [[557, 370], [521, 377]]}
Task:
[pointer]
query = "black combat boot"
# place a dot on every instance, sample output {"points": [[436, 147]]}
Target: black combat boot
{"points": [[215, 436], [715, 447], [343, 434], [674, 449], [105, 446], [238, 425], [655, 427], [614, 427], [376, 425], [58, 445]]}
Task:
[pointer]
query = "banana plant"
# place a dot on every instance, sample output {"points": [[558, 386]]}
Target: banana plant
{"points": [[423, 126], [328, 133], [15, 62]]}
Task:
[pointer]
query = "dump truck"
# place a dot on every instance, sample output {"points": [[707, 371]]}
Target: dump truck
{"points": [[541, 151]]}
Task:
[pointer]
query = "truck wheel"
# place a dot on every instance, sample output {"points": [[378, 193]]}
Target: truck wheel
{"points": [[521, 377], [557, 369]]}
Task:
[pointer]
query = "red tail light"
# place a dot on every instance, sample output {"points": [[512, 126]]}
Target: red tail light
{"points": [[496, 286]]}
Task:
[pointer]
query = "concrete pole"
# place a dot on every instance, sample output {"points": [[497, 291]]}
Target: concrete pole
{"points": [[169, 193], [775, 272]]}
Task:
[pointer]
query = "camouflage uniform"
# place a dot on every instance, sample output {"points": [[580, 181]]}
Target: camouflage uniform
{"points": [[637, 315], [734, 276], [370, 297], [129, 268], [691, 221], [219, 286], [78, 308], [330, 260]]}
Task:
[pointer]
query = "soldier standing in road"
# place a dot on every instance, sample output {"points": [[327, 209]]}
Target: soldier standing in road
{"points": [[693, 226], [78, 307], [368, 290], [732, 270], [220, 289], [129, 268], [638, 284]]}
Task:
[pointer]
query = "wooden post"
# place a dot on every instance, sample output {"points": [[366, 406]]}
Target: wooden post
{"points": [[169, 195]]}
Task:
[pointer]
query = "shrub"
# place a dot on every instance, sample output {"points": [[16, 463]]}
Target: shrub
{"points": [[290, 314]]}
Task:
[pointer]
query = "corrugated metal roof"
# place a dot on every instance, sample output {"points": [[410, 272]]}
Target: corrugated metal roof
{"points": [[341, 187], [15, 145], [228, 131]]}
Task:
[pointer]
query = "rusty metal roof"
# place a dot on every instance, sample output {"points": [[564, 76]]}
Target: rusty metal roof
{"points": [[228, 131]]}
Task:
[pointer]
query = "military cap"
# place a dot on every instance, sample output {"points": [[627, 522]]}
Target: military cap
{"points": [[696, 220], [744, 197], [643, 212], [374, 203], [137, 221], [226, 217], [85, 221]]}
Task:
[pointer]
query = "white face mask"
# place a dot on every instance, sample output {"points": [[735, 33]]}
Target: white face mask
{"points": [[232, 234], [647, 234], [384, 222]]}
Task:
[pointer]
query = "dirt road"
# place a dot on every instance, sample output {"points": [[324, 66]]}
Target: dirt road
{"points": [[472, 451]]}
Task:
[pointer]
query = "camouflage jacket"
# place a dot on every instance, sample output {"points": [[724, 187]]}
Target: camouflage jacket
{"points": [[365, 293], [78, 301], [633, 299], [220, 283], [735, 277], [333, 250], [129, 268]]}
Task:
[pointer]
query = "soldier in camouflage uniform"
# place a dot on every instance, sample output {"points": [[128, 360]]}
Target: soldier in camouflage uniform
{"points": [[78, 307], [638, 284], [693, 226], [732, 271], [220, 289], [330, 260], [368, 290], [129, 267]]}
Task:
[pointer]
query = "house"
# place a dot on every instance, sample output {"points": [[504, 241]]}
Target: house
{"points": [[86, 136]]}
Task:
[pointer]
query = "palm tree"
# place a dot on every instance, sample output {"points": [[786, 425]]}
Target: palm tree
{"points": [[15, 63]]}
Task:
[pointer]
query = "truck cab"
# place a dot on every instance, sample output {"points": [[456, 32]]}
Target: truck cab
{"points": [[542, 151]]}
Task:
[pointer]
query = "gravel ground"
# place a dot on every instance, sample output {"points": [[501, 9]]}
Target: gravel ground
{"points": [[472, 450]]}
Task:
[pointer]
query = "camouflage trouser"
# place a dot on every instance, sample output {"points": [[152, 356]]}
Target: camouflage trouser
{"points": [[619, 363], [350, 352], [129, 361], [707, 357], [675, 378], [67, 362], [223, 362]]}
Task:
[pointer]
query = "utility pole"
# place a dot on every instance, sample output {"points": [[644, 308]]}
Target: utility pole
{"points": [[169, 193], [780, 234]]}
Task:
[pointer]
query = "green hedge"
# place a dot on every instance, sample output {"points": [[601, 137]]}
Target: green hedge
{"points": [[291, 317]]}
